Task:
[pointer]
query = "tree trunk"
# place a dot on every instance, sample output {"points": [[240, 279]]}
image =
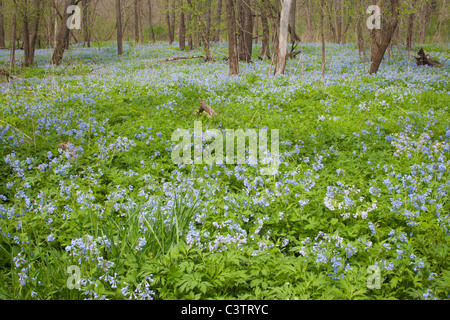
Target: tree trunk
{"points": [[63, 36], [322, 36], [55, 30], [386, 38], [34, 34], [274, 15], [26, 36], [172, 22], [137, 22], [246, 31], [360, 38], [12, 44], [423, 22], [182, 30], [169, 26], [218, 20], [86, 31], [293, 22], [152, 32], [208, 22], [282, 47], [119, 28], [189, 37], [266, 33], [409, 32], [232, 43], [2, 28]]}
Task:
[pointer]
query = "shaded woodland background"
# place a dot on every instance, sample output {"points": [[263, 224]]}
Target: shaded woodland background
{"points": [[31, 24]]}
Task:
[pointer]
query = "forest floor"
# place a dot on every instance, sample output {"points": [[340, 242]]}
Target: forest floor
{"points": [[358, 208]]}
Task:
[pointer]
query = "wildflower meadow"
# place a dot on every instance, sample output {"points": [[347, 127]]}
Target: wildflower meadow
{"points": [[92, 205]]}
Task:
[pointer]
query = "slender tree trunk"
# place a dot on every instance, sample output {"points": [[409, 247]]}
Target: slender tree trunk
{"points": [[2, 28], [87, 39], [266, 33], [169, 26], [409, 32], [246, 31], [172, 21], [182, 29], [55, 30], [423, 22], [293, 22], [232, 43], [63, 36], [360, 38], [282, 47], [137, 14], [386, 38], [26, 35], [322, 36], [34, 34], [150, 24], [208, 22], [189, 36], [218, 20], [274, 15], [12, 45], [119, 28]]}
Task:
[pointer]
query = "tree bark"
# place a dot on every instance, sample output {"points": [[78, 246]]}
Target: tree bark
{"points": [[218, 20], [2, 28], [266, 33], [119, 28], [12, 44], [360, 38], [137, 22], [86, 29], [150, 24], [322, 36], [293, 22], [410, 30], [245, 31], [172, 21], [189, 36], [63, 35], [232, 43], [169, 26], [386, 38], [282, 47], [182, 30]]}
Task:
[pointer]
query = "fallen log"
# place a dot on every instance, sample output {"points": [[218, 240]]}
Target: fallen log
{"points": [[206, 108], [184, 58], [8, 75], [425, 59]]}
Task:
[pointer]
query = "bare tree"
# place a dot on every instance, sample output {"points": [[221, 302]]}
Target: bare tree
{"points": [[218, 20], [266, 32], [2, 28], [182, 30], [138, 38], [380, 43], [119, 27], [293, 22], [63, 35], [409, 32], [282, 47], [322, 36], [150, 24], [245, 44], [232, 41], [86, 28], [12, 44]]}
